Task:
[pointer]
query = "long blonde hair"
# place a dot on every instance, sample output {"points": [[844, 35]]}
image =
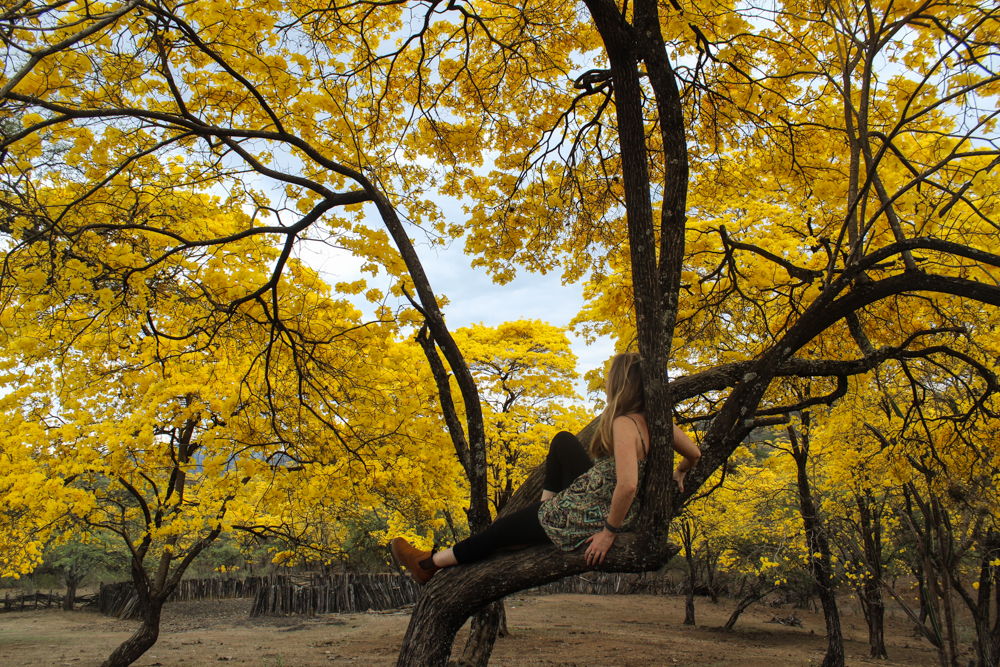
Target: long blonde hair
{"points": [[625, 395]]}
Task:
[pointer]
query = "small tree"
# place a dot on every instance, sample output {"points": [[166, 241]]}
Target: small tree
{"points": [[747, 519], [80, 556]]}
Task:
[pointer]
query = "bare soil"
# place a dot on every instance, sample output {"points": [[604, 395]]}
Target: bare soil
{"points": [[550, 630]]}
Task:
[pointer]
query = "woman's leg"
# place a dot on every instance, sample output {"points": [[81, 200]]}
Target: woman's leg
{"points": [[521, 527], [445, 558], [566, 461]]}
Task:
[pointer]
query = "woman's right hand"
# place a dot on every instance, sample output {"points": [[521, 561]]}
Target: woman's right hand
{"points": [[679, 478]]}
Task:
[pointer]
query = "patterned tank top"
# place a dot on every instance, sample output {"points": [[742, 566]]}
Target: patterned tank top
{"points": [[576, 513]]}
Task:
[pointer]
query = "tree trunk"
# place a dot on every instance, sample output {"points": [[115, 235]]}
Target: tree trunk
{"points": [[482, 636], [817, 543], [931, 592], [945, 564], [874, 606], [687, 540], [488, 625], [456, 593], [987, 643], [69, 602], [711, 563], [988, 654], [871, 593], [923, 592], [453, 595], [987, 620], [503, 631], [933, 611], [132, 649], [834, 638], [154, 591], [751, 597], [949, 618], [689, 607]]}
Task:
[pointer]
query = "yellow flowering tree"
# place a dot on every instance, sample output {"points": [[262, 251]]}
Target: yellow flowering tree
{"points": [[135, 404], [525, 371], [861, 488], [750, 521], [33, 509], [943, 441]]}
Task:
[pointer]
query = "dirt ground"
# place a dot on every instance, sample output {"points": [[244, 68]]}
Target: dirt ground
{"points": [[550, 630]]}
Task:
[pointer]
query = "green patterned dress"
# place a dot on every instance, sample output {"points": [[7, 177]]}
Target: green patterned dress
{"points": [[576, 513]]}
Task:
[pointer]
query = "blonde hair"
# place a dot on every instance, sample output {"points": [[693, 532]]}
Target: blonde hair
{"points": [[625, 395]]}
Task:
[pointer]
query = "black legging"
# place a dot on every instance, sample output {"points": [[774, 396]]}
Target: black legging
{"points": [[566, 461]]}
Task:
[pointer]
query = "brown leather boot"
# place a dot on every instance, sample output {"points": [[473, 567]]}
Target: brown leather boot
{"points": [[410, 557]]}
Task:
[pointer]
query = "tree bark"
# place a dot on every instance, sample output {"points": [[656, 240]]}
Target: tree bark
{"points": [[71, 584], [453, 595], [987, 620], [817, 543], [687, 539], [153, 591], [655, 280], [456, 593], [711, 563], [482, 636], [744, 603], [871, 593], [472, 444], [132, 649], [946, 559], [689, 604], [490, 622], [924, 538], [874, 608], [934, 611]]}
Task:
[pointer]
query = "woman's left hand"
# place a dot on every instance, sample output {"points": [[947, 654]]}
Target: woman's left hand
{"points": [[598, 545]]}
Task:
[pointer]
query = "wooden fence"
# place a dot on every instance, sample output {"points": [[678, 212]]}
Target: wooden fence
{"points": [[285, 595], [39, 600], [121, 600], [331, 594], [352, 593], [217, 589], [278, 595]]}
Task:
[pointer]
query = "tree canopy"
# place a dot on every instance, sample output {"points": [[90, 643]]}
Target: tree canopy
{"points": [[767, 201]]}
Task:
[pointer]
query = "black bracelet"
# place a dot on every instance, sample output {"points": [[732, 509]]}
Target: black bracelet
{"points": [[610, 527]]}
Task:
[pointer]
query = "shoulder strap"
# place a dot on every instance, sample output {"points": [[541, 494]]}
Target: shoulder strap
{"points": [[641, 439]]}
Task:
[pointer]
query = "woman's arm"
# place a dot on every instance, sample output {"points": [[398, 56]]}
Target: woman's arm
{"points": [[626, 439], [684, 446]]}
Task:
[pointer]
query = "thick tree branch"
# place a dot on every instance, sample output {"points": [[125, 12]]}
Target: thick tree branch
{"points": [[445, 400]]}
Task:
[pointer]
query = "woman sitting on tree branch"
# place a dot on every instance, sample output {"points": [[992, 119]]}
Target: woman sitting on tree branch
{"points": [[583, 501]]}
